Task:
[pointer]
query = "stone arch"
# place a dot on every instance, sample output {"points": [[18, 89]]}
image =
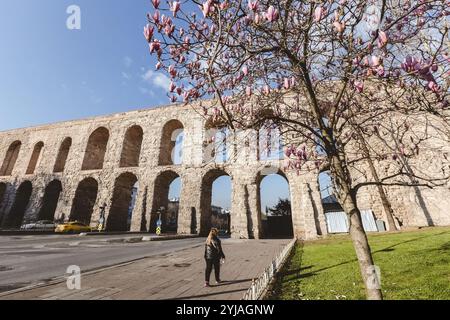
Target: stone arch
{"points": [[275, 225], [161, 197], [96, 149], [124, 195], [84, 201], [19, 207], [131, 149], [35, 157], [206, 197], [168, 146], [50, 201], [63, 153], [10, 158]]}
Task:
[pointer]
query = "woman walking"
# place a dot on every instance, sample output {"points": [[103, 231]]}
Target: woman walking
{"points": [[213, 255]]}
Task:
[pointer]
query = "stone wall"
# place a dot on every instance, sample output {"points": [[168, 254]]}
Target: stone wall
{"points": [[98, 160]]}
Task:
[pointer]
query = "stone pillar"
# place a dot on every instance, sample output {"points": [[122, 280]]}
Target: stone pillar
{"points": [[304, 208], [245, 218], [189, 212]]}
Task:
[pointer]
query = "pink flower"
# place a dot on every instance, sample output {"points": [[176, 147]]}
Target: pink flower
{"points": [[172, 71], [287, 83], [156, 3], [245, 70], [176, 7], [156, 16], [253, 5], [158, 65], [375, 61], [382, 39], [148, 32], [339, 26], [206, 9], [224, 5], [319, 13], [172, 87], [359, 86], [248, 91], [173, 99], [155, 46], [272, 14]]}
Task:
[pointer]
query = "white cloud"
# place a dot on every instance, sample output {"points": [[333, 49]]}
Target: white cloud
{"points": [[126, 76], [157, 79], [127, 61]]}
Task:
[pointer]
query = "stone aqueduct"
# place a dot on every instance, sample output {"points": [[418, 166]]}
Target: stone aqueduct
{"points": [[68, 170]]}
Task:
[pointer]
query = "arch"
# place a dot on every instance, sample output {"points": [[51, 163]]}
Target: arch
{"points": [[50, 200], [275, 206], [171, 146], [123, 200], [35, 157], [161, 199], [206, 199], [20, 205], [84, 201], [63, 153], [131, 149], [10, 158], [96, 149]]}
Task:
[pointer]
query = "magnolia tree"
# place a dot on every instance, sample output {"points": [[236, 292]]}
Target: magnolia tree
{"points": [[327, 73]]}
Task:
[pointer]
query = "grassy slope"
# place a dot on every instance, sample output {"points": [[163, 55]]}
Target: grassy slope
{"points": [[414, 265]]}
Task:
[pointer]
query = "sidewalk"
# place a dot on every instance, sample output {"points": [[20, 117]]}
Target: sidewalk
{"points": [[178, 275]]}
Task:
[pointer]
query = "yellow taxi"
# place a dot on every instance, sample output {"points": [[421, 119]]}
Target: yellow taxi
{"points": [[72, 227]]}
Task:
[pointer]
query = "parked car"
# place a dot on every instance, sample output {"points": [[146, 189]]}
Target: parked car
{"points": [[73, 227], [42, 225]]}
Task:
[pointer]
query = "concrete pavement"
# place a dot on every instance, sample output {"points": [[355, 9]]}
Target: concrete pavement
{"points": [[169, 275]]}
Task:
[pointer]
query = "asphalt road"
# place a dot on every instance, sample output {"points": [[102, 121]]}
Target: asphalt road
{"points": [[26, 260]]}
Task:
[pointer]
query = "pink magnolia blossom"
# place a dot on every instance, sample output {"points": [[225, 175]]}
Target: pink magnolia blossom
{"points": [[382, 39], [319, 13], [224, 5], [253, 5], [156, 3], [339, 26], [148, 32], [172, 87], [272, 14], [359, 86], [158, 65], [156, 16], [248, 91], [206, 8], [176, 7], [155, 46], [245, 70]]}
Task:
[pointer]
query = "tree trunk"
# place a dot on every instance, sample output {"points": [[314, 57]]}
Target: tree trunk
{"points": [[363, 252], [357, 233]]}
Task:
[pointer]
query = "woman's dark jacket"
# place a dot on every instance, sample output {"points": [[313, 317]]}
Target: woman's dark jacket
{"points": [[213, 251]]}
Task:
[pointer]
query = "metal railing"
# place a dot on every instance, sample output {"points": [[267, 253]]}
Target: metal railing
{"points": [[260, 285]]}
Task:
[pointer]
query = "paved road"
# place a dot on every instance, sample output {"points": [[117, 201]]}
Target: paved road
{"points": [[171, 275], [26, 260]]}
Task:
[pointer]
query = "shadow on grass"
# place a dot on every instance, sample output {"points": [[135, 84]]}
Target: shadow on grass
{"points": [[284, 275]]}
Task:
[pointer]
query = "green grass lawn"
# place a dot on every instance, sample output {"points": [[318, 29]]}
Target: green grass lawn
{"points": [[414, 265]]}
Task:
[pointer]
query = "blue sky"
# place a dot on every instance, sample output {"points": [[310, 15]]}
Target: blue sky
{"points": [[49, 73]]}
